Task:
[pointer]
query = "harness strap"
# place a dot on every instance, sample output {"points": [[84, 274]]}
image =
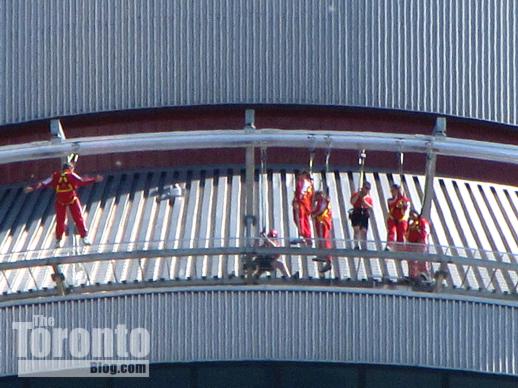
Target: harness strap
{"points": [[64, 186], [73, 200], [322, 216]]}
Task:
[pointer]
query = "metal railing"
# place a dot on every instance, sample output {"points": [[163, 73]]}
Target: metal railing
{"points": [[64, 269], [232, 138]]}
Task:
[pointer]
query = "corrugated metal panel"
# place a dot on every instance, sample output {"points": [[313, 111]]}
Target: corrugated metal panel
{"points": [[298, 325], [79, 56], [475, 219]]}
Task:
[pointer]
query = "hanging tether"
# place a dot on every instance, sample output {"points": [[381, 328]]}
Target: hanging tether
{"points": [[362, 155], [425, 196], [311, 153], [401, 159], [311, 160], [328, 156], [263, 191]]}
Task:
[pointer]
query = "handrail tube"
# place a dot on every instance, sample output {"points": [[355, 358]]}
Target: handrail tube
{"points": [[160, 253], [163, 141]]}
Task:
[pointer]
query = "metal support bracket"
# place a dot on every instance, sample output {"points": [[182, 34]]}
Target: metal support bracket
{"points": [[56, 131], [431, 162], [249, 218]]}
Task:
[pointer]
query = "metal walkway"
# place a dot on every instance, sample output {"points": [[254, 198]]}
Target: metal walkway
{"points": [[131, 210]]}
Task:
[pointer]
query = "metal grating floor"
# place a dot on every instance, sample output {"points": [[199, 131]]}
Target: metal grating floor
{"points": [[475, 218]]}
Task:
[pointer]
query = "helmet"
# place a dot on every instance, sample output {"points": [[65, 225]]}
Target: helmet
{"points": [[273, 233]]}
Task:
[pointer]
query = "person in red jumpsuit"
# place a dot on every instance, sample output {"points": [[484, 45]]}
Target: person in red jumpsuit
{"points": [[323, 225], [417, 241], [397, 221], [362, 203], [65, 184], [302, 206]]}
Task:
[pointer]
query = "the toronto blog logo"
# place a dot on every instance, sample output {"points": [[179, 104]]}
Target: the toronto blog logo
{"points": [[46, 350]]}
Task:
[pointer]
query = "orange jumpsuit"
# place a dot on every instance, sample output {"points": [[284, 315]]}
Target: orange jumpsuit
{"points": [[65, 184], [417, 235], [302, 205], [323, 223], [397, 222]]}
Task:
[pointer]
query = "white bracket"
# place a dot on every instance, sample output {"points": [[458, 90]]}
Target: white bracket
{"points": [[56, 131]]}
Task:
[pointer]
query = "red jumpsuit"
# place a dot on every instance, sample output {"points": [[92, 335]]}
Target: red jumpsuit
{"points": [[417, 236], [397, 221], [357, 202], [323, 223], [302, 206], [65, 184]]}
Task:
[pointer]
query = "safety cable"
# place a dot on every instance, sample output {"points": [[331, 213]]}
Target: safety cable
{"points": [[263, 194], [401, 160], [362, 155]]}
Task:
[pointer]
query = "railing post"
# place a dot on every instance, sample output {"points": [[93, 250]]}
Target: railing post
{"points": [[250, 175], [431, 161]]}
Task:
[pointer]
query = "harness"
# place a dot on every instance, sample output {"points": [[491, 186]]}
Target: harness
{"points": [[324, 216], [398, 205], [64, 186]]}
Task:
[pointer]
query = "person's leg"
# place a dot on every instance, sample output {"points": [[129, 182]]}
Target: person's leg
{"points": [[277, 264], [401, 231], [77, 215], [401, 228], [357, 236], [423, 266], [296, 216], [305, 227], [326, 239], [391, 233], [364, 226], [415, 267], [363, 238], [319, 233], [256, 268], [61, 211], [326, 233]]}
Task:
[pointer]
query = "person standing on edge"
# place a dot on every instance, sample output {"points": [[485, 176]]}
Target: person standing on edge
{"points": [[417, 241], [65, 183], [302, 206], [362, 203], [397, 221], [323, 224]]}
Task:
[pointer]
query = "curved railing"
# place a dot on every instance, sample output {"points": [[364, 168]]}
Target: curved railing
{"points": [[232, 138], [127, 264]]}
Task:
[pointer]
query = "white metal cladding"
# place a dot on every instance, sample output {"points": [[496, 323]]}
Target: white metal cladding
{"points": [[475, 218], [80, 56], [236, 323]]}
